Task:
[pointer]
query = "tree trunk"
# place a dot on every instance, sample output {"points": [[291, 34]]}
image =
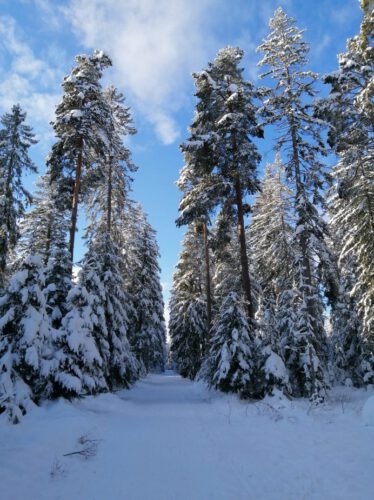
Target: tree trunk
{"points": [[74, 209], [207, 277], [243, 250], [307, 272], [49, 240], [109, 196]]}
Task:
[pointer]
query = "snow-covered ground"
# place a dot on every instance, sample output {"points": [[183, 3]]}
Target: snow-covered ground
{"points": [[171, 439]]}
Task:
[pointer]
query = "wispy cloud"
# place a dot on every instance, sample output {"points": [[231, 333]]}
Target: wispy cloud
{"points": [[154, 46], [344, 14], [26, 79], [320, 46]]}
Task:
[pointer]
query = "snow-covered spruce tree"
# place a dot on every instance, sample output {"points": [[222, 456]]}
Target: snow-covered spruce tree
{"points": [[15, 140], [109, 180], [187, 324], [270, 236], [103, 267], [81, 367], [235, 155], [226, 260], [27, 359], [230, 366], [15, 395], [58, 269], [44, 232], [102, 278], [288, 107], [35, 225], [81, 125], [148, 332], [350, 111], [347, 360]]}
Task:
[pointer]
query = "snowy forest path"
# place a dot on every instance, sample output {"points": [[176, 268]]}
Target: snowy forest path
{"points": [[168, 438]]}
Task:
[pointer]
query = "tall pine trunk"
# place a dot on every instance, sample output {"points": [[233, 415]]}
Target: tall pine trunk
{"points": [[207, 278], [246, 281], [306, 265], [74, 210], [109, 196]]}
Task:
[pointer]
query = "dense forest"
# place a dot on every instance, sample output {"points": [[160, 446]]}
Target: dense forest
{"points": [[286, 301], [63, 335], [274, 287]]}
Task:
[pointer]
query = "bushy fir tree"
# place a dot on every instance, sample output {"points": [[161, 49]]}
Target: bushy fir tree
{"points": [[15, 140], [81, 366], [270, 236], [187, 324], [230, 365], [28, 360], [102, 278], [226, 260], [150, 336]]}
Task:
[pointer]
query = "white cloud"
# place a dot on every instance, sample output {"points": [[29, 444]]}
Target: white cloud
{"points": [[344, 14], [320, 46], [155, 45], [26, 79]]}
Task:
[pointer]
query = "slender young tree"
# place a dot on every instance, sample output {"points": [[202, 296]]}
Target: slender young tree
{"points": [[288, 107], [271, 240], [15, 140]]}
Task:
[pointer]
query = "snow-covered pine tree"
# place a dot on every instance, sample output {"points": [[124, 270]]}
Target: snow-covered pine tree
{"points": [[270, 236], [15, 140], [35, 225], [82, 123], [187, 324], [28, 361], [44, 232], [233, 117], [102, 279], [288, 107], [58, 268], [226, 259], [347, 360], [149, 332], [15, 395], [81, 367], [350, 111], [230, 364], [103, 266]]}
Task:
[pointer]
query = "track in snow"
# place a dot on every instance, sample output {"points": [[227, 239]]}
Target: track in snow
{"points": [[170, 439]]}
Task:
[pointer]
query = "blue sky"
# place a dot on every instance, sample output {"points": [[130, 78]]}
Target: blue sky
{"points": [[155, 45]]}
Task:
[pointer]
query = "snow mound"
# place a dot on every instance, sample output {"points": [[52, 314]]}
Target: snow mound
{"points": [[368, 412]]}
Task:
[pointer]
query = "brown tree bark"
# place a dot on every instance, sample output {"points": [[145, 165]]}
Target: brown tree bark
{"points": [[246, 281], [109, 196], [74, 208], [207, 278]]}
